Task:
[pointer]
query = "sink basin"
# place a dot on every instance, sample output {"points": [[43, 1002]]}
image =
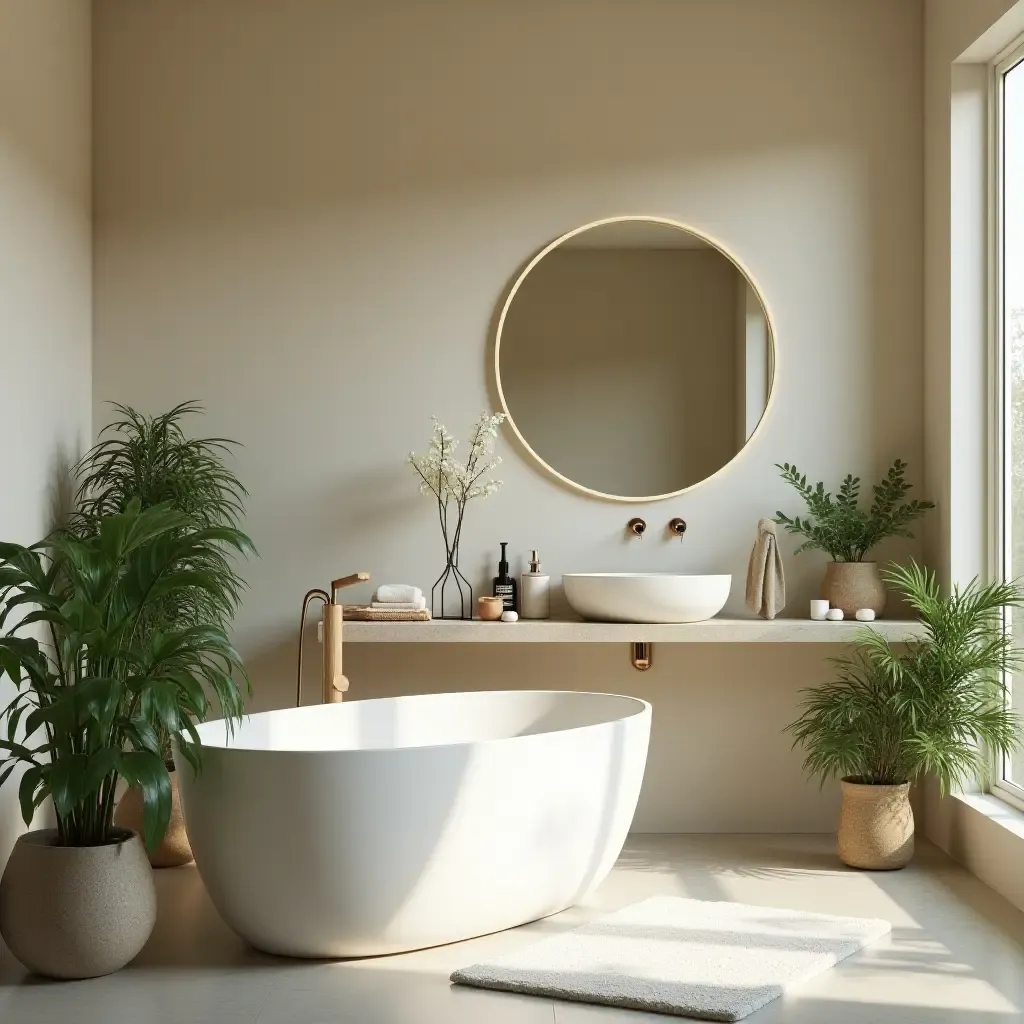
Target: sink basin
{"points": [[645, 596]]}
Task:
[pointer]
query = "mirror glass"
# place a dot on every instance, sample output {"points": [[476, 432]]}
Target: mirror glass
{"points": [[634, 358]]}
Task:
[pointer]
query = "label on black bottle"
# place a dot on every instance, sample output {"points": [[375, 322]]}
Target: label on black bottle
{"points": [[506, 591]]}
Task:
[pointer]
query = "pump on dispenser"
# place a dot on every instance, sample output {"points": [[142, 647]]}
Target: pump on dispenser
{"points": [[536, 591]]}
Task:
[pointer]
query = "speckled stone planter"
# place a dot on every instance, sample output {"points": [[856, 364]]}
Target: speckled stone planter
{"points": [[854, 585], [76, 911], [876, 826], [173, 850]]}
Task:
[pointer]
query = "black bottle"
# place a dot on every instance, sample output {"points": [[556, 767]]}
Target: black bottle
{"points": [[505, 585]]}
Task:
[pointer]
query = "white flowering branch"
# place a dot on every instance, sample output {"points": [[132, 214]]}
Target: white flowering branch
{"points": [[454, 483]]}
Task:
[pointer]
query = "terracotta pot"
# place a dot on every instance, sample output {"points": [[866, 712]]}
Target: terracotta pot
{"points": [[76, 911], [876, 826], [854, 585], [173, 850]]}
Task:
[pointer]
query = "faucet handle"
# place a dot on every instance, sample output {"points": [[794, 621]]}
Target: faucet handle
{"points": [[677, 526], [636, 526]]}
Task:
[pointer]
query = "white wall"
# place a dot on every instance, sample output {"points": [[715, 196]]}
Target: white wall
{"points": [[307, 214], [45, 273]]}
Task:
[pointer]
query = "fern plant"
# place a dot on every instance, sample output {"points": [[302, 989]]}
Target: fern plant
{"points": [[937, 707], [151, 461], [839, 525]]}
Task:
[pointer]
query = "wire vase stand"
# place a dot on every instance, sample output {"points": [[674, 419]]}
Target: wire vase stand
{"points": [[454, 587]]}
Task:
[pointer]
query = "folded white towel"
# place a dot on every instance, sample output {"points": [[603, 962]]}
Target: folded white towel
{"points": [[397, 593], [401, 606]]}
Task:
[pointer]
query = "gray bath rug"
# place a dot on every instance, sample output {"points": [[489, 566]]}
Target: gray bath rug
{"points": [[689, 958]]}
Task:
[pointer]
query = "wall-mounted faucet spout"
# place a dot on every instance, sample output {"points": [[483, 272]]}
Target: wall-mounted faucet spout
{"points": [[677, 526], [636, 526], [334, 684]]}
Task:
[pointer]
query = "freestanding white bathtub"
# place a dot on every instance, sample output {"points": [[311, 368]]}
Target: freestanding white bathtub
{"points": [[379, 826]]}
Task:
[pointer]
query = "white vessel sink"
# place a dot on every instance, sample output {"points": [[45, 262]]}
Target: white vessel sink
{"points": [[645, 596]]}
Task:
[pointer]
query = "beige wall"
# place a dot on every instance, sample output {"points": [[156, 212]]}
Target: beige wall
{"points": [[619, 365], [45, 287], [308, 215]]}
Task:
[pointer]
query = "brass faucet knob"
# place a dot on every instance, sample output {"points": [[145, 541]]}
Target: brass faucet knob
{"points": [[636, 526], [677, 526]]}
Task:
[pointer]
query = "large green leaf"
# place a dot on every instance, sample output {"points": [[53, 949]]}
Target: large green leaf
{"points": [[147, 771], [65, 778], [25, 560], [31, 793], [98, 767]]}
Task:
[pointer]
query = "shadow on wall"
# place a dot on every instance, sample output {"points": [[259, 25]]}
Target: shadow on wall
{"points": [[12, 824]]}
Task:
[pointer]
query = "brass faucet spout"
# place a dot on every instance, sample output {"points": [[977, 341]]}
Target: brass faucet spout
{"points": [[347, 581]]}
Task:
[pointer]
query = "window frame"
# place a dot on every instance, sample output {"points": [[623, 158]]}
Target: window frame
{"points": [[999, 398]]}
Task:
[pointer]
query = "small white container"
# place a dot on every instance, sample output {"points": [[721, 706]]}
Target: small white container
{"points": [[509, 616], [834, 615], [865, 615], [819, 610], [535, 591]]}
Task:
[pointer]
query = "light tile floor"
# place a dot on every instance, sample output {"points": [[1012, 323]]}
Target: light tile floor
{"points": [[956, 953]]}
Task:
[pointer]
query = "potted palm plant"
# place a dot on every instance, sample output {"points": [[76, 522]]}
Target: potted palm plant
{"points": [[151, 459], [78, 900], [839, 526], [937, 707]]}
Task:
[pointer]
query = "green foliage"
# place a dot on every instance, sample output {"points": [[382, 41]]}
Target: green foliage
{"points": [[938, 707], [839, 525], [150, 459], [91, 700]]}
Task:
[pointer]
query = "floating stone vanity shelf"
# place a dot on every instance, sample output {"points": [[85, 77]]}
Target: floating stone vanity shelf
{"points": [[550, 631]]}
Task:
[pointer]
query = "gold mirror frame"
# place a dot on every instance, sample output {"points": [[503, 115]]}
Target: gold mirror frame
{"points": [[668, 222]]}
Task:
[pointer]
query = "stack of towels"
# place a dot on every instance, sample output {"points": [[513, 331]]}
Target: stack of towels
{"points": [[393, 602], [398, 597]]}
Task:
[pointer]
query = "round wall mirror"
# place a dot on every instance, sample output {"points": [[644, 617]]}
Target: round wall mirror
{"points": [[634, 358]]}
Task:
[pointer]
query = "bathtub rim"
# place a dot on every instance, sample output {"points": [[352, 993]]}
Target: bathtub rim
{"points": [[643, 707]]}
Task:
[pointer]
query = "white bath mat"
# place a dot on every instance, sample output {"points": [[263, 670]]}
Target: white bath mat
{"points": [[690, 958]]}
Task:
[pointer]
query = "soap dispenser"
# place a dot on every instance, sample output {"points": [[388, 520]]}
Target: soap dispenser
{"points": [[535, 595], [504, 584]]}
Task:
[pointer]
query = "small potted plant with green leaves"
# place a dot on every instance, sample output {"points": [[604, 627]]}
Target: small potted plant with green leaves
{"points": [[91, 702], [152, 460], [938, 707], [843, 529]]}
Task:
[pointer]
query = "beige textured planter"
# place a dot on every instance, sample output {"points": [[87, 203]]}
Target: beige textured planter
{"points": [[76, 911], [173, 850], [876, 826], [854, 585]]}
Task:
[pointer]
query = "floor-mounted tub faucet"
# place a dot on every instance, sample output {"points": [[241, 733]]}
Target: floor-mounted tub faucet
{"points": [[333, 683]]}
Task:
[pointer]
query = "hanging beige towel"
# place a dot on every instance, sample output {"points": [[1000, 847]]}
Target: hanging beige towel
{"points": [[766, 584]]}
